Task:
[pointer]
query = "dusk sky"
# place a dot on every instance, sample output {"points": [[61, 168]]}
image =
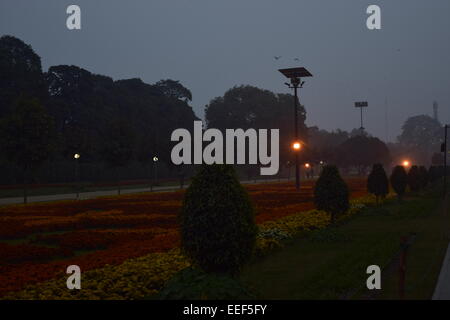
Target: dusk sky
{"points": [[212, 45]]}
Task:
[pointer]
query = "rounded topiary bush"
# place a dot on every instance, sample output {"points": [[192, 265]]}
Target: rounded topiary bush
{"points": [[331, 192], [218, 231], [414, 179], [399, 181], [377, 182]]}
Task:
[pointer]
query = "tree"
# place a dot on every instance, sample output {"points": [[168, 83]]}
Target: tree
{"points": [[377, 182], [414, 179], [331, 193], [361, 152], [174, 89], [423, 177], [118, 146], [251, 107], [218, 231], [322, 144], [27, 137], [421, 136], [20, 74], [399, 181]]}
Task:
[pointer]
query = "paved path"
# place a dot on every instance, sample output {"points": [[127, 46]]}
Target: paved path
{"points": [[442, 290], [95, 194]]}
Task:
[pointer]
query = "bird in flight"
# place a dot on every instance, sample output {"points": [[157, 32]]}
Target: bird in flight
{"points": [[296, 59], [277, 57]]}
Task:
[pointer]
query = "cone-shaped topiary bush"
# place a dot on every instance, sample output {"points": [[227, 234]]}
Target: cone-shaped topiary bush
{"points": [[331, 192], [218, 230], [414, 179], [399, 181], [377, 182]]}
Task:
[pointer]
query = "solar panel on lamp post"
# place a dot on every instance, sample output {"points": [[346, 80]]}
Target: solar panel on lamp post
{"points": [[295, 75]]}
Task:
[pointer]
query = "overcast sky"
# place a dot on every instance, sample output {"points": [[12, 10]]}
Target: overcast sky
{"points": [[212, 45]]}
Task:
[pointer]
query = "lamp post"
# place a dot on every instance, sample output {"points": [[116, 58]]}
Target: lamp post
{"points": [[77, 156], [295, 75], [361, 105], [155, 167]]}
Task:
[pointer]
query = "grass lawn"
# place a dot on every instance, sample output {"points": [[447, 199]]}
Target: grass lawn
{"points": [[331, 263]]}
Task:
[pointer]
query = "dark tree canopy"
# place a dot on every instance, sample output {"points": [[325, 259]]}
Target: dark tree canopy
{"points": [[20, 73], [362, 151], [421, 137], [250, 107], [83, 105], [118, 144], [27, 135], [174, 89]]}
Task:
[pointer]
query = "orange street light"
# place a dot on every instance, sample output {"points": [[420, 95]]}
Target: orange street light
{"points": [[296, 146], [307, 165], [406, 163]]}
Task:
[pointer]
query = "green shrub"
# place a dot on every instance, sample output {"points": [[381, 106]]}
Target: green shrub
{"points": [[377, 182], [414, 179], [218, 231], [399, 181], [331, 192], [194, 284]]}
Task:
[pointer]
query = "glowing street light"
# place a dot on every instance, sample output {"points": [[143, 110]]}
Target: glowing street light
{"points": [[155, 167], [406, 163], [77, 156], [296, 146], [295, 75], [307, 165]]}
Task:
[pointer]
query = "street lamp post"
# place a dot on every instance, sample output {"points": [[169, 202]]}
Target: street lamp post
{"points": [[77, 156], [361, 105], [155, 168], [295, 75]]}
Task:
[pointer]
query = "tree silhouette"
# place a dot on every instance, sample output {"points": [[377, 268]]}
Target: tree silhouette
{"points": [[377, 182], [119, 146], [361, 152], [27, 137], [399, 181], [414, 179], [331, 192]]}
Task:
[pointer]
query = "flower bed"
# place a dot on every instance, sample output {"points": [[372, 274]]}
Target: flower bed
{"points": [[112, 230]]}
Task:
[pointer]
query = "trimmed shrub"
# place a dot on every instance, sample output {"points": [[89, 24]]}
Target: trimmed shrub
{"points": [[414, 179], [331, 192], [377, 182], [218, 231], [399, 181]]}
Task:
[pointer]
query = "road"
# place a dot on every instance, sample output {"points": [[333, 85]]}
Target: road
{"points": [[95, 194]]}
